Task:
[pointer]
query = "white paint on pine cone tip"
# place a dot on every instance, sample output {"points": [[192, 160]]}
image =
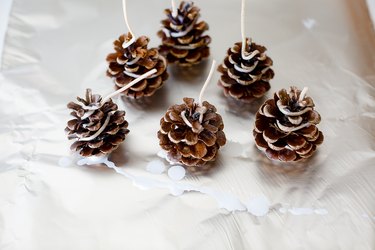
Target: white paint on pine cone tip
{"points": [[155, 167], [176, 172]]}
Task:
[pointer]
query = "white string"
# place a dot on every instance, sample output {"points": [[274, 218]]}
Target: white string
{"points": [[132, 40], [207, 82], [174, 9], [140, 78], [291, 129], [185, 119], [92, 137], [303, 94], [243, 27], [187, 30], [153, 76], [244, 40]]}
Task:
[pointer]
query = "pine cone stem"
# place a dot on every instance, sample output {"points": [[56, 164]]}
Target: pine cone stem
{"points": [[132, 40]]}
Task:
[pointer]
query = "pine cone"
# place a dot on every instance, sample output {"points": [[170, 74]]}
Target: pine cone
{"points": [[285, 126], [96, 131], [192, 134], [182, 40], [246, 79], [127, 64]]}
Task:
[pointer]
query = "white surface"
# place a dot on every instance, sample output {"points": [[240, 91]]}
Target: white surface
{"points": [[55, 49], [5, 7], [371, 8], [259, 206]]}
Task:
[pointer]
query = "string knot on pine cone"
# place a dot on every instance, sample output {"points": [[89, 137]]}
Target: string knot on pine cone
{"points": [[246, 78], [97, 128], [182, 36], [192, 134], [127, 64], [285, 126]]}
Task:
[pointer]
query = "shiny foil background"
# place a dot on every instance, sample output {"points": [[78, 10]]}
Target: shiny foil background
{"points": [[54, 50]]}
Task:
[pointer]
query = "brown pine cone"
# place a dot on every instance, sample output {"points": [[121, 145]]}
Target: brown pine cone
{"points": [[182, 40], [97, 131], [285, 126], [127, 64], [246, 79], [192, 134]]}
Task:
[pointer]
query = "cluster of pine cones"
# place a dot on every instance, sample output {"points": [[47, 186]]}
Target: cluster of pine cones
{"points": [[244, 78], [192, 133]]}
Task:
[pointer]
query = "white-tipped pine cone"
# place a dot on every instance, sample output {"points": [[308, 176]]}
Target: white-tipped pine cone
{"points": [[127, 64], [182, 36], [97, 129], [192, 134], [246, 78], [285, 126]]}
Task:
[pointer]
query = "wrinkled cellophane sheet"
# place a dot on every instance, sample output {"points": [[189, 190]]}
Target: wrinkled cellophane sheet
{"points": [[54, 50]]}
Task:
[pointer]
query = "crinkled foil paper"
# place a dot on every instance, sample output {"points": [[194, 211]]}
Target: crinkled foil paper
{"points": [[56, 49]]}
